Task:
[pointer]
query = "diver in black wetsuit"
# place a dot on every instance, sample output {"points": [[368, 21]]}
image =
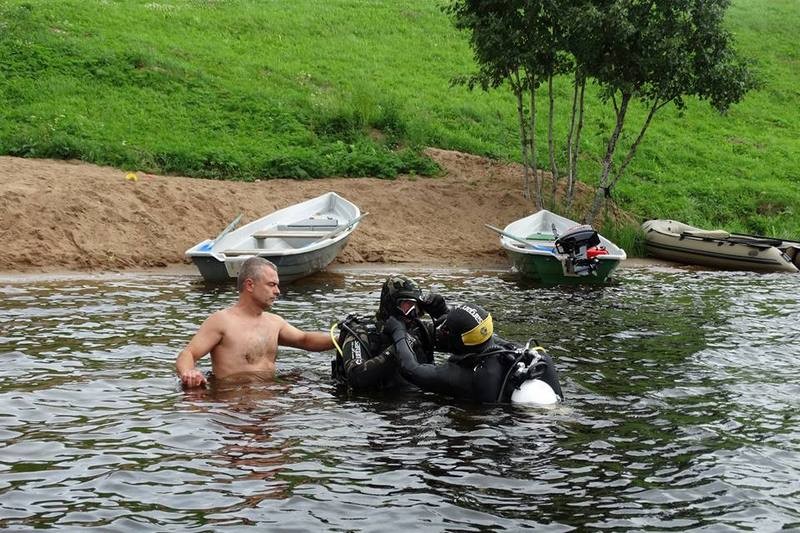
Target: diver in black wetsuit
{"points": [[483, 368], [365, 358]]}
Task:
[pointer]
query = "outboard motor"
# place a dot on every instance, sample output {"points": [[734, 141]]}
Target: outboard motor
{"points": [[575, 245]]}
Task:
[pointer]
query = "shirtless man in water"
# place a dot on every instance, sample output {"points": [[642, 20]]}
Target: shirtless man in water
{"points": [[244, 338]]}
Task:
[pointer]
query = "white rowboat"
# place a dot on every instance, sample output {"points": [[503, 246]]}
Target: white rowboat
{"points": [[300, 239]]}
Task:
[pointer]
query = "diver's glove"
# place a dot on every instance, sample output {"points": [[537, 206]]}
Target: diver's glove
{"points": [[395, 328], [433, 304]]}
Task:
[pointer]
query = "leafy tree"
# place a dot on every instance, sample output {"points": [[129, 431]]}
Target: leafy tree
{"points": [[657, 52], [654, 52], [515, 42]]}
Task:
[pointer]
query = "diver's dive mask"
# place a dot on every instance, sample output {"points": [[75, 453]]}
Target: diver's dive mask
{"points": [[400, 298], [408, 308]]}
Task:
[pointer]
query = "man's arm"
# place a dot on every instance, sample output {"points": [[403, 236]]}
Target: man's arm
{"points": [[313, 341], [206, 338], [446, 379]]}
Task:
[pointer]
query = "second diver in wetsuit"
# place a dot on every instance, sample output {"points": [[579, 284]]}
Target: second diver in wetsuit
{"points": [[365, 358], [483, 368]]}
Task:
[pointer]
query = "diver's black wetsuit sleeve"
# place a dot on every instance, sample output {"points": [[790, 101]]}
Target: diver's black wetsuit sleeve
{"points": [[434, 304], [362, 371], [449, 378]]}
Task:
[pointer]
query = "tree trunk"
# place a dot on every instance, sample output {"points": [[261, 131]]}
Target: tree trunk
{"points": [[532, 128], [603, 189], [571, 141], [632, 151], [523, 137], [571, 137], [576, 150], [550, 139]]}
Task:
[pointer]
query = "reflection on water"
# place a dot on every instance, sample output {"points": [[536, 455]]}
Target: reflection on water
{"points": [[681, 412]]}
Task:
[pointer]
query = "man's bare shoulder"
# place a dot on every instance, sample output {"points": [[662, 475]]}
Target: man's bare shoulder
{"points": [[237, 314], [221, 316], [274, 319]]}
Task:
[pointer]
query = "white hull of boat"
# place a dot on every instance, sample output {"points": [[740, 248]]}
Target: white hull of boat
{"points": [[300, 240]]}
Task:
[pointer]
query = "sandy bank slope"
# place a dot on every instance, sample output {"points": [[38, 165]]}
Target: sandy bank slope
{"points": [[66, 215]]}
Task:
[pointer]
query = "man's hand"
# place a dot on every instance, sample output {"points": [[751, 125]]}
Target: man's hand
{"points": [[433, 304], [192, 378], [394, 328]]}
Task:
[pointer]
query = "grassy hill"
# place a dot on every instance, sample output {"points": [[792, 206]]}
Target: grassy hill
{"points": [[246, 89]]}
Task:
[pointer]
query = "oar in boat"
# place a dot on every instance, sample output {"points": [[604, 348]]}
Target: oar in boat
{"points": [[228, 229], [512, 237], [337, 231], [778, 242]]}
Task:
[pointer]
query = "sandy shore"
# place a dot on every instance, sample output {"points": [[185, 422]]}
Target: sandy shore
{"points": [[61, 216]]}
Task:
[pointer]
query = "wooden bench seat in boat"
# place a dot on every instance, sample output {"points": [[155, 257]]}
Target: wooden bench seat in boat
{"points": [[243, 251], [291, 234], [308, 228], [280, 233]]}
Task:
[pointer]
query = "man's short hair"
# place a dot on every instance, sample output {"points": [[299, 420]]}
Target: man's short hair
{"points": [[252, 269]]}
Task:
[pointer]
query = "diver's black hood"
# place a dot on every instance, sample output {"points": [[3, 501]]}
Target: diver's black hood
{"points": [[395, 288], [466, 328]]}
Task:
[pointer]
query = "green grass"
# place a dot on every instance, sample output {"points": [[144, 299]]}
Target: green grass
{"points": [[245, 89]]}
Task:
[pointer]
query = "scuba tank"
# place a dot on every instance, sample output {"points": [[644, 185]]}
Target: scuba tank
{"points": [[364, 331], [534, 392], [367, 344], [533, 378]]}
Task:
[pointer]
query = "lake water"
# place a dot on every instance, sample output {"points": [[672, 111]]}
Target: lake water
{"points": [[682, 387]]}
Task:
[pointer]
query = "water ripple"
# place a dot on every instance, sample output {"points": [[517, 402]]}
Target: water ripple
{"points": [[681, 413]]}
